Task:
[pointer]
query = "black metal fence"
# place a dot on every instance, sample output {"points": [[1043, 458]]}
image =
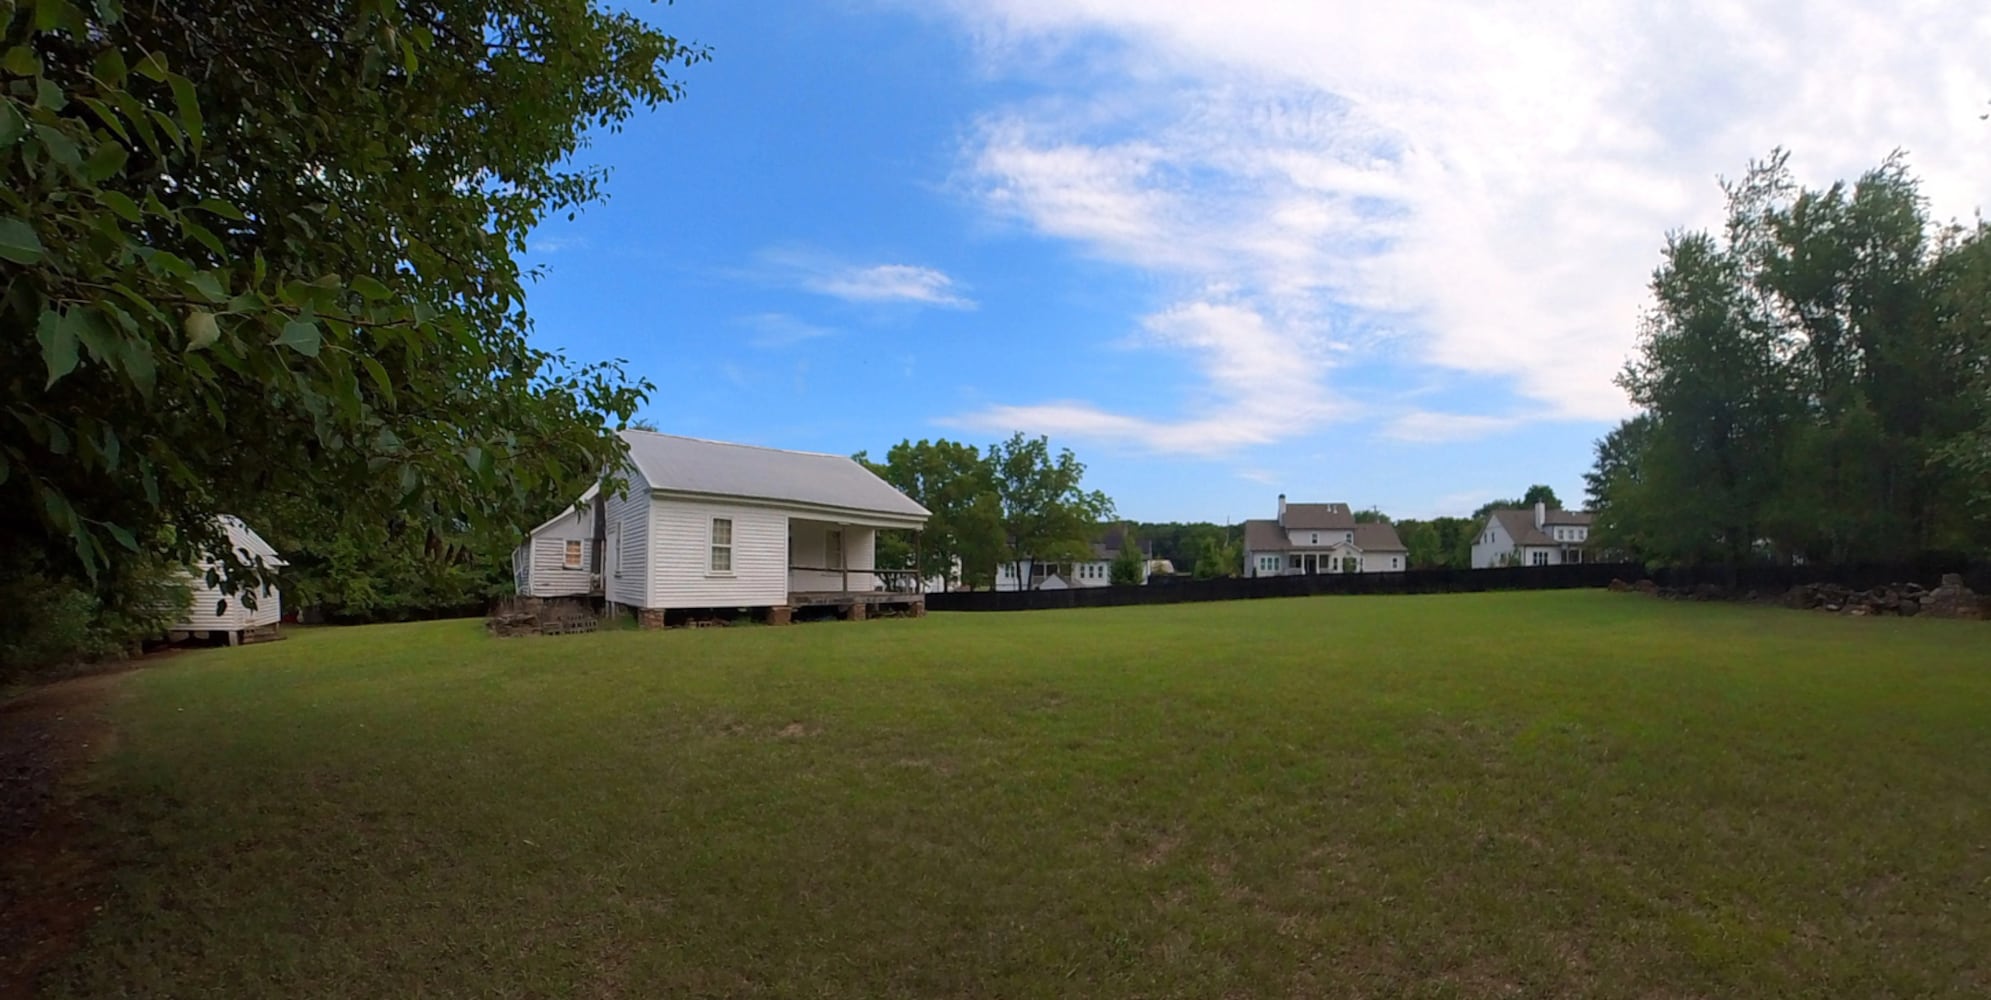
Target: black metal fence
{"points": [[1448, 581]]}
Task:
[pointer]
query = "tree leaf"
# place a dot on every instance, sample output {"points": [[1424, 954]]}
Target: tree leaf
{"points": [[18, 242], [379, 373], [121, 203], [12, 125], [49, 14], [153, 67], [187, 106], [373, 290], [58, 345], [108, 116], [218, 207], [21, 61], [201, 329], [301, 335], [110, 68], [123, 536], [209, 286], [61, 148], [103, 164]]}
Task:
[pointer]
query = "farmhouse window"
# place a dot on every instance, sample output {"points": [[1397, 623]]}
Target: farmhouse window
{"points": [[1538, 558], [722, 545], [573, 559]]}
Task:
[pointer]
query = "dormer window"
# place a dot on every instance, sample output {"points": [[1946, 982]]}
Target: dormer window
{"points": [[1316, 539]]}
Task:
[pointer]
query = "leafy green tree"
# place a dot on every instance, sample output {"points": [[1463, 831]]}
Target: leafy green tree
{"points": [[1540, 494], [1371, 515], [1129, 567], [1219, 558], [1047, 514], [1426, 549], [1811, 378], [255, 251], [957, 483]]}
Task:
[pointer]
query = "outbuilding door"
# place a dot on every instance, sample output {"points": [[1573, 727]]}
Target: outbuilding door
{"points": [[613, 563]]}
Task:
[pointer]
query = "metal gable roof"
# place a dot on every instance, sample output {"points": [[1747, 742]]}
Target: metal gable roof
{"points": [[692, 465], [245, 544]]}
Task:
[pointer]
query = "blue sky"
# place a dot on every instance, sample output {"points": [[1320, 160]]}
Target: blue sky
{"points": [[1391, 257]]}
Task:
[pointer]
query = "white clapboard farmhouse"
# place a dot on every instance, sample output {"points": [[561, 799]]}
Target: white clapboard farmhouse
{"points": [[212, 613], [708, 525], [1544, 536], [1310, 538]]}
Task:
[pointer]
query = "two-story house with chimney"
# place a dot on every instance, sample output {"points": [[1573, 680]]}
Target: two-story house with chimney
{"points": [[1543, 536], [1309, 538]]}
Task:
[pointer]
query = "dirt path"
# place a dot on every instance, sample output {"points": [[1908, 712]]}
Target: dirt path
{"points": [[49, 887]]}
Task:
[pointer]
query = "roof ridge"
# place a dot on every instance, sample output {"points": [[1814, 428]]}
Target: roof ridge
{"points": [[736, 444]]}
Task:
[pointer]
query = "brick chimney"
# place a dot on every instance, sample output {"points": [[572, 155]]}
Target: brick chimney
{"points": [[1282, 508], [1541, 514]]}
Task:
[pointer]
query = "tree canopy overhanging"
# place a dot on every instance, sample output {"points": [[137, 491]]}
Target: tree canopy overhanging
{"points": [[259, 256]]}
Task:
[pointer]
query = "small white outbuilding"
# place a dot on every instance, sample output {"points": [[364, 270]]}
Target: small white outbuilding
{"points": [[211, 612]]}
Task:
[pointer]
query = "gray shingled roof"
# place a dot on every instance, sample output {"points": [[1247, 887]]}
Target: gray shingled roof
{"points": [[1318, 517], [1520, 526], [1264, 536], [1378, 538], [1268, 536], [691, 465]]}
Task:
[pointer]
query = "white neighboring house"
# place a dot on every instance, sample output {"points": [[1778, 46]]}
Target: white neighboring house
{"points": [[705, 524], [210, 611], [1048, 574], [560, 558], [1310, 538], [1543, 536]]}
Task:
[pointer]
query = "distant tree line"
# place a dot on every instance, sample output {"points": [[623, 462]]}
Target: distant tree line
{"points": [[1814, 383]]}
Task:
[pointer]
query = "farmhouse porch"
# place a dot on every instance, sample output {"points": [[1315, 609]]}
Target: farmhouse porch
{"points": [[834, 564]]}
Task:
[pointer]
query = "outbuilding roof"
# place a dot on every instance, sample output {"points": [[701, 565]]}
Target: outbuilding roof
{"points": [[245, 544], [693, 465]]}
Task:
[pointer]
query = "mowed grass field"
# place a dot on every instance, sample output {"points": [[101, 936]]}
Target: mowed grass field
{"points": [[1572, 794]]}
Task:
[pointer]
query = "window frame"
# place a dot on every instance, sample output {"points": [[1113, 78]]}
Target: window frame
{"points": [[573, 555], [715, 547]]}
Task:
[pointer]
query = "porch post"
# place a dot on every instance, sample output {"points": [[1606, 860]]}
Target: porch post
{"points": [[919, 561]]}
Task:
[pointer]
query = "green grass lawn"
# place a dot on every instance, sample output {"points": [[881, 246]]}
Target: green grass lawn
{"points": [[1574, 794]]}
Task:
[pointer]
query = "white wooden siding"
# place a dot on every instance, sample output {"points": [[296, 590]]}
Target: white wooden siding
{"points": [[628, 516], [234, 615], [550, 575], [681, 548]]}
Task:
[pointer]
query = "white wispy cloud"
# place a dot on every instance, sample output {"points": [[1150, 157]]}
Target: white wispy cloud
{"points": [[1486, 186], [823, 274], [776, 330], [1264, 384], [1425, 426], [891, 283]]}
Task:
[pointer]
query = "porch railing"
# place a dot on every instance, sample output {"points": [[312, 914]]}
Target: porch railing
{"points": [[896, 581]]}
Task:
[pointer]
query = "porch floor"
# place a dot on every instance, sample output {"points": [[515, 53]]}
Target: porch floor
{"points": [[819, 598]]}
